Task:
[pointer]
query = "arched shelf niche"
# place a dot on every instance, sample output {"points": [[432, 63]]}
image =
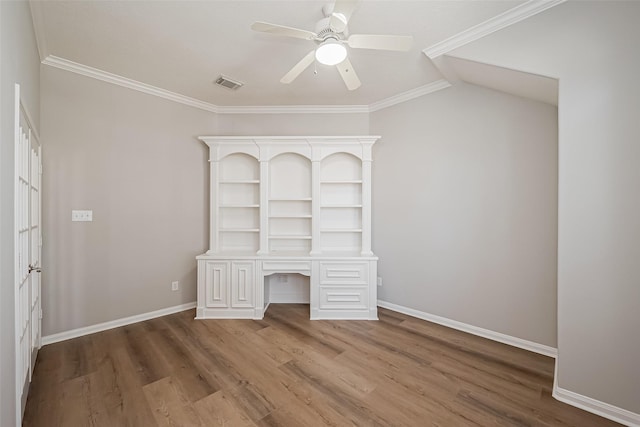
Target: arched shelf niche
{"points": [[341, 204], [289, 204]]}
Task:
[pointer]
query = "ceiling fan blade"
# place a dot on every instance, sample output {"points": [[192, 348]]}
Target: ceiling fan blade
{"points": [[348, 74], [341, 14], [299, 67], [380, 42], [281, 30]]}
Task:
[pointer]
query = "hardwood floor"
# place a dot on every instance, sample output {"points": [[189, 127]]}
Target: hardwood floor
{"points": [[286, 370]]}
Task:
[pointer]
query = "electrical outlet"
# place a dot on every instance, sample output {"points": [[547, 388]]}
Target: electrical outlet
{"points": [[379, 281], [175, 286]]}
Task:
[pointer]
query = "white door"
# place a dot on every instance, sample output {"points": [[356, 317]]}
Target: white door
{"points": [[28, 248]]}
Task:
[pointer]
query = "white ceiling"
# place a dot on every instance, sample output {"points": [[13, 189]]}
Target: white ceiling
{"points": [[519, 83], [182, 46]]}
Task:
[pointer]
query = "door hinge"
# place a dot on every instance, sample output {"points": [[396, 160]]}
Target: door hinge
{"points": [[40, 313]]}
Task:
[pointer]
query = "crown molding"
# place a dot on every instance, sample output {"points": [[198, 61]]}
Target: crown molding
{"points": [[38, 28], [74, 67], [95, 73], [510, 17], [409, 95], [293, 109]]}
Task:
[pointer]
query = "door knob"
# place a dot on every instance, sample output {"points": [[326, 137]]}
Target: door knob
{"points": [[36, 269]]}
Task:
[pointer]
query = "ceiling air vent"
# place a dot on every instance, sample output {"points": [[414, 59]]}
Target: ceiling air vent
{"points": [[228, 83]]}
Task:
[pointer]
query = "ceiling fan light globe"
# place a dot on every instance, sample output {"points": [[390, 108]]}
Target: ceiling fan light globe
{"points": [[331, 53]]}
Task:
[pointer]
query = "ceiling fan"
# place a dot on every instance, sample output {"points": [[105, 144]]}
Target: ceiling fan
{"points": [[331, 34]]}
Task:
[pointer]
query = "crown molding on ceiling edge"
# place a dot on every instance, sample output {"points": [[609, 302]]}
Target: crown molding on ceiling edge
{"points": [[409, 95], [510, 17], [105, 76], [288, 109], [499, 22], [74, 67], [38, 29]]}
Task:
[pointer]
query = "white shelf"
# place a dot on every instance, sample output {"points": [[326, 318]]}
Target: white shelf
{"points": [[292, 216], [240, 230], [240, 206], [289, 237], [303, 199]]}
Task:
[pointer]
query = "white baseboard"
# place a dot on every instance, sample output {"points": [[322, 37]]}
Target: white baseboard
{"points": [[485, 333], [605, 410], [588, 404], [74, 333]]}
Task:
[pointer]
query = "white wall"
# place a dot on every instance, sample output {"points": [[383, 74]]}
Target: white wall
{"points": [[464, 209], [135, 161], [19, 63], [592, 47]]}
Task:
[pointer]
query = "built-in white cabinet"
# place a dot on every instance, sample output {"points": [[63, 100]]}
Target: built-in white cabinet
{"points": [[289, 205]]}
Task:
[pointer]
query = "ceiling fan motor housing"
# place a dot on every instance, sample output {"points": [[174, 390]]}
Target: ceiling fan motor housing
{"points": [[323, 30]]}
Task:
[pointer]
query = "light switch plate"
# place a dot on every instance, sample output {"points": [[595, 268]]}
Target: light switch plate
{"points": [[81, 215]]}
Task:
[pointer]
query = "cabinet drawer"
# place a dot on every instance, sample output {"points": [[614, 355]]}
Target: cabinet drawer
{"points": [[343, 297], [287, 266], [356, 273]]}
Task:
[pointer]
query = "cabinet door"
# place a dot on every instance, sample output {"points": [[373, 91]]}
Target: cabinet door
{"points": [[243, 283], [216, 279]]}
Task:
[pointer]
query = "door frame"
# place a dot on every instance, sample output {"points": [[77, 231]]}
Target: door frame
{"points": [[21, 390]]}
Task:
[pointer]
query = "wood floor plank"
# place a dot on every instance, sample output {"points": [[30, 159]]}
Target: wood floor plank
{"points": [[183, 365], [286, 370], [303, 355], [295, 415], [304, 330], [169, 405], [218, 409], [150, 365], [243, 331], [126, 401]]}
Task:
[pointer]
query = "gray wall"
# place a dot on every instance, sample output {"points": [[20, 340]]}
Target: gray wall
{"points": [[465, 209], [19, 63], [592, 48], [135, 161], [293, 124]]}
